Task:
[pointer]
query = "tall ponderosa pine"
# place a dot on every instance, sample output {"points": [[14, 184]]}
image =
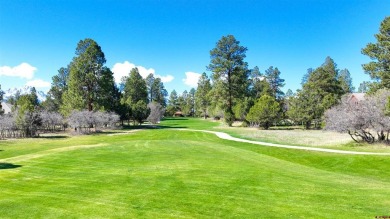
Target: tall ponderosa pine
{"points": [[88, 79], [379, 68], [202, 97], [272, 75], [156, 90], [150, 86], [160, 93], [230, 72], [135, 96]]}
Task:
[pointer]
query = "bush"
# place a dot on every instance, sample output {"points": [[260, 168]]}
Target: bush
{"points": [[264, 113]]}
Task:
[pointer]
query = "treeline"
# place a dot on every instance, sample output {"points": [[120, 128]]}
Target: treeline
{"points": [[86, 84], [84, 96], [235, 92]]}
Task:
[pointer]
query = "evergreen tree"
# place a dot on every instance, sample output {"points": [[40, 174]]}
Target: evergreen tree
{"points": [[230, 72], [191, 101], [160, 93], [156, 90], [173, 104], [33, 96], [321, 91], [135, 96], [256, 86], [85, 73], [379, 68], [107, 98], [276, 83], [202, 97], [182, 102], [264, 112], [345, 80], [289, 93], [306, 76], [151, 87], [59, 86]]}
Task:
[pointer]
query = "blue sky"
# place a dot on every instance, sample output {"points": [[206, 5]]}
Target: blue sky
{"points": [[172, 39]]}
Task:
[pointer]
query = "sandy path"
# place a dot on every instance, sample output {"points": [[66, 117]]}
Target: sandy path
{"points": [[225, 136]]}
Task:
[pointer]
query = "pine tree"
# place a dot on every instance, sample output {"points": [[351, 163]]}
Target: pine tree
{"points": [[202, 97], [230, 72], [173, 104], [151, 87], [135, 96], [345, 80], [272, 76], [86, 78], [321, 91], [59, 86], [379, 68], [160, 93]]}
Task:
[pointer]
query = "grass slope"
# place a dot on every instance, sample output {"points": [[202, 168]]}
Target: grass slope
{"points": [[165, 173]]}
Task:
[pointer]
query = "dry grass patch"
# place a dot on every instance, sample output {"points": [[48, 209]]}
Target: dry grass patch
{"points": [[314, 138]]}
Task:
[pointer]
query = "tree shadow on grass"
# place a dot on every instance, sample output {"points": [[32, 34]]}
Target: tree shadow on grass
{"points": [[4, 166]]}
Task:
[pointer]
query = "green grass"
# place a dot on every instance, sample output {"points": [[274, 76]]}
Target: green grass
{"points": [[165, 173]]}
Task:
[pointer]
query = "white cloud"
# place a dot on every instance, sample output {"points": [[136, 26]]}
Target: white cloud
{"points": [[38, 83], [144, 72], [24, 70], [191, 79], [123, 69], [165, 79]]}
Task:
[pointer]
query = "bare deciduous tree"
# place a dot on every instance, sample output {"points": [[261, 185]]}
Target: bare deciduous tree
{"points": [[363, 121], [156, 112], [52, 121], [84, 121]]}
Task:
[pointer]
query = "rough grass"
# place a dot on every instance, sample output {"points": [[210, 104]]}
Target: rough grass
{"points": [[164, 173], [287, 136]]}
